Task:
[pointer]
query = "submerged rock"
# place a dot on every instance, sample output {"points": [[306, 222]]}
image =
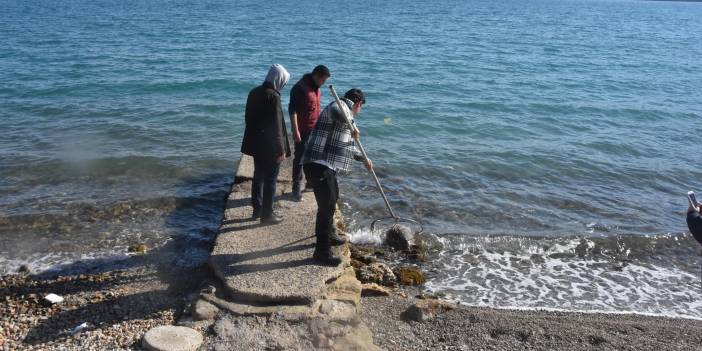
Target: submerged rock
{"points": [[138, 249], [399, 237]]}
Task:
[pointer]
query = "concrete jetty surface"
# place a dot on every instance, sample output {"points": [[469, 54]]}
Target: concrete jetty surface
{"points": [[270, 263], [269, 282]]}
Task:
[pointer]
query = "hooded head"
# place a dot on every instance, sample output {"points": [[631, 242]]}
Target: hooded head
{"points": [[278, 76]]}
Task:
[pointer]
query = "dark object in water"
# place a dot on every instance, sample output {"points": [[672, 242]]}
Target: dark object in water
{"points": [[399, 237], [137, 249], [24, 269]]}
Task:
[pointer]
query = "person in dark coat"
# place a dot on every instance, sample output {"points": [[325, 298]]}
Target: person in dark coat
{"points": [[694, 221], [266, 140]]}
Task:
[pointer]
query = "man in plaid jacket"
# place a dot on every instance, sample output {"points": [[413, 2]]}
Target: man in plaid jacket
{"points": [[330, 149]]}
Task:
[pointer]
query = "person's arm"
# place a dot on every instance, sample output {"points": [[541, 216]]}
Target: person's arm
{"points": [[292, 109], [275, 117]]}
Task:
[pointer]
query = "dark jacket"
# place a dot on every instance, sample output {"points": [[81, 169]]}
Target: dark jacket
{"points": [[265, 134], [694, 223]]}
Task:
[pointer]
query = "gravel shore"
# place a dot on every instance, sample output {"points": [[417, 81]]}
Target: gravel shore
{"points": [[474, 328], [118, 306]]}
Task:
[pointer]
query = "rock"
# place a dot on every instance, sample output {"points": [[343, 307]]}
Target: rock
{"points": [[345, 288], [79, 328], [138, 249], [424, 310], [378, 273], [373, 289], [399, 237], [203, 310], [53, 299], [409, 275], [338, 311], [24, 269], [172, 338]]}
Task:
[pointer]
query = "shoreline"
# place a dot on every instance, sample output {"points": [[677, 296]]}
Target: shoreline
{"points": [[120, 301], [500, 329]]}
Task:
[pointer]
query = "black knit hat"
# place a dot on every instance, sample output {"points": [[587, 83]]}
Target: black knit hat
{"points": [[321, 71], [355, 95]]}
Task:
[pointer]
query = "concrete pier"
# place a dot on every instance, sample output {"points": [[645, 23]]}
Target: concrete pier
{"points": [[268, 271]]}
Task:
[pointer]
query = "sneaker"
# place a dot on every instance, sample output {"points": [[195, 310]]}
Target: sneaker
{"points": [[336, 239], [272, 219], [326, 257], [297, 197]]}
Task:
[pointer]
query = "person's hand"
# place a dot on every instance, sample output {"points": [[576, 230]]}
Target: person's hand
{"points": [[296, 136], [280, 158], [369, 164]]}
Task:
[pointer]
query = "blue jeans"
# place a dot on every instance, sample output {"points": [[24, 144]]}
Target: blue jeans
{"points": [[263, 186]]}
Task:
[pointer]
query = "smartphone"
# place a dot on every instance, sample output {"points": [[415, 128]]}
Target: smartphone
{"points": [[693, 199]]}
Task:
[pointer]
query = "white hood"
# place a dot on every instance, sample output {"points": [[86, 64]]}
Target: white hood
{"points": [[278, 76]]}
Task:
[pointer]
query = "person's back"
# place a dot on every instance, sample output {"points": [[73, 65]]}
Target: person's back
{"points": [[265, 138]]}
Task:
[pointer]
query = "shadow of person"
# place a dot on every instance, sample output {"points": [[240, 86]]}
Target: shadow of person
{"points": [[157, 281]]}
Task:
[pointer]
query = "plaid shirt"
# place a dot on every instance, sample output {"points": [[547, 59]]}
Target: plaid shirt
{"points": [[330, 143]]}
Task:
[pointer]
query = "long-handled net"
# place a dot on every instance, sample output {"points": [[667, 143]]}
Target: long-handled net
{"points": [[393, 218]]}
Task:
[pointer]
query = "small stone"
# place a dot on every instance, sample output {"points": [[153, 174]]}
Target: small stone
{"points": [[424, 310], [172, 338], [203, 310], [53, 299], [373, 289], [138, 249]]}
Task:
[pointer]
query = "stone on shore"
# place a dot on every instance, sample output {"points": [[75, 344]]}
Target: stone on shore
{"points": [[373, 289], [424, 310], [203, 310], [172, 338], [378, 273], [399, 237], [409, 275], [345, 288]]}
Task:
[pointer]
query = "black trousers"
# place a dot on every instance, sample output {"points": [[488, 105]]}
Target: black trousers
{"points": [[264, 184], [297, 167], [694, 223], [326, 192]]}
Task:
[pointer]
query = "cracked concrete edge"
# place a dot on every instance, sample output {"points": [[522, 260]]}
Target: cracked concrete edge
{"points": [[242, 309]]}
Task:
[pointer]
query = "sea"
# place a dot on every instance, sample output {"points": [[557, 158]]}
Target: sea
{"points": [[547, 146]]}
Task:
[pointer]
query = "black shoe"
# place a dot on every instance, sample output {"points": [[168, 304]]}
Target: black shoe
{"points": [[326, 257], [336, 239], [297, 197], [256, 214], [272, 219]]}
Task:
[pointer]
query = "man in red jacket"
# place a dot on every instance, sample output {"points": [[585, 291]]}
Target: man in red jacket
{"points": [[304, 109]]}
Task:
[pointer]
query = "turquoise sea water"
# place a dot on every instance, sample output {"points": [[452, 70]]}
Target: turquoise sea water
{"points": [[547, 145]]}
